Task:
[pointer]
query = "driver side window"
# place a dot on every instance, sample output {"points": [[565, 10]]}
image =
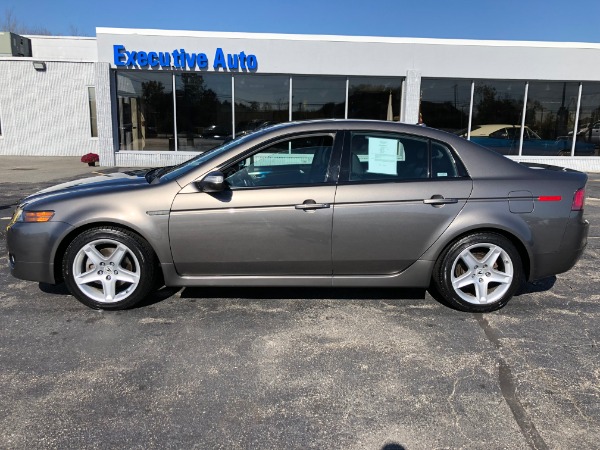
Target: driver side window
{"points": [[298, 161]]}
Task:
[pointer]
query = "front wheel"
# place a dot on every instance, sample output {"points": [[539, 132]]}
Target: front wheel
{"points": [[109, 268], [478, 273]]}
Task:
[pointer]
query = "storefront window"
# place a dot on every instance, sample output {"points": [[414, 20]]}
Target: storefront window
{"points": [[260, 100], [318, 97], [588, 129], [550, 119], [145, 110], [371, 98], [445, 104], [203, 110], [497, 113]]}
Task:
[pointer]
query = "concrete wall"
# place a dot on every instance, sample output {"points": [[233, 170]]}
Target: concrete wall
{"points": [[46, 113], [152, 159], [63, 48]]}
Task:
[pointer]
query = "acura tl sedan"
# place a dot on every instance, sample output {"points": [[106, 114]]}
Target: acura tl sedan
{"points": [[320, 203]]}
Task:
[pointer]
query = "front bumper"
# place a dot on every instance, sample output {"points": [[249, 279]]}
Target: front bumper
{"points": [[32, 249]]}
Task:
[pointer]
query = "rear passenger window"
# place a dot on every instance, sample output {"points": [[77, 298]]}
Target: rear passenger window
{"points": [[443, 164], [386, 156]]}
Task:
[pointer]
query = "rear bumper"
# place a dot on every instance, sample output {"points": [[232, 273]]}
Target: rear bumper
{"points": [[32, 248], [572, 247]]}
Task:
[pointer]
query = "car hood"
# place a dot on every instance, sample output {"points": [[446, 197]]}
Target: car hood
{"points": [[104, 182]]}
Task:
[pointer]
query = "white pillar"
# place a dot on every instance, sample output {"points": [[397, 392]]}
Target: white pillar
{"points": [[412, 96], [106, 139]]}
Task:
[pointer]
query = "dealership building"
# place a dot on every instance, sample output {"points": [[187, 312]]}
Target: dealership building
{"points": [[140, 97]]}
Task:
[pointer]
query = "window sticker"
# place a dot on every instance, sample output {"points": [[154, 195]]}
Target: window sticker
{"points": [[384, 155]]}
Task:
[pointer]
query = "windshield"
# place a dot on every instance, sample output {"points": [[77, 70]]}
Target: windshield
{"points": [[171, 173]]}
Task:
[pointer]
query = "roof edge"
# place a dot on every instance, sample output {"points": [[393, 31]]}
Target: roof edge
{"points": [[343, 38]]}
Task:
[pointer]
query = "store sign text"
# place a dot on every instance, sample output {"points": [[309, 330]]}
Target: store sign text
{"points": [[181, 59]]}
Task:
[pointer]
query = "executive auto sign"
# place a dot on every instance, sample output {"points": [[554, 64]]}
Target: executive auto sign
{"points": [[180, 59]]}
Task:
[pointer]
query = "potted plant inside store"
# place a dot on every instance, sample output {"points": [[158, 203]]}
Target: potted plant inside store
{"points": [[91, 159]]}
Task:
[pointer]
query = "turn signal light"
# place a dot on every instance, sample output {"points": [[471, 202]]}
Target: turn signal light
{"points": [[578, 200], [37, 216]]}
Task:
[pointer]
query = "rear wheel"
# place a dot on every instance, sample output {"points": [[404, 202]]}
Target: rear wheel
{"points": [[109, 268], [479, 273]]}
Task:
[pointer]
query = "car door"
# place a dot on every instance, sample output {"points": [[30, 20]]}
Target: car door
{"points": [[274, 219], [397, 194]]}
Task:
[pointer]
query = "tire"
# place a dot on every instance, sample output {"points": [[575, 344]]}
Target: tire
{"points": [[478, 273], [109, 268]]}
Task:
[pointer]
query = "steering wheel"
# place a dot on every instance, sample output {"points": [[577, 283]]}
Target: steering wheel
{"points": [[241, 178], [245, 178]]}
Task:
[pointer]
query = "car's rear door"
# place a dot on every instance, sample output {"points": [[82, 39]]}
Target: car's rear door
{"points": [[396, 196], [274, 219]]}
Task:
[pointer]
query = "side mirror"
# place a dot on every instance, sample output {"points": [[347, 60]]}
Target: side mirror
{"points": [[212, 182]]}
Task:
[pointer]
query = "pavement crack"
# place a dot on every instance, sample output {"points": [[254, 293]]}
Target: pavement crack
{"points": [[451, 399], [508, 387]]}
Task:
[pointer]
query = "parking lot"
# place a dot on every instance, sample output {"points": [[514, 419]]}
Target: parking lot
{"points": [[300, 368]]}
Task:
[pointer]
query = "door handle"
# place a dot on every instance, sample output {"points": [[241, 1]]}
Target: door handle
{"points": [[439, 200], [309, 205]]}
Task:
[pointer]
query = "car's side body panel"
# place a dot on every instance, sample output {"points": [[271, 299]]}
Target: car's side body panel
{"points": [[142, 208], [382, 228], [253, 232]]}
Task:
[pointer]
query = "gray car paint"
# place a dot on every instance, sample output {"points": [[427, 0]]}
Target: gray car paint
{"points": [[174, 213]]}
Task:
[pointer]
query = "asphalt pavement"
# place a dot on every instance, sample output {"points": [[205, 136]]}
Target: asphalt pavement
{"points": [[298, 368]]}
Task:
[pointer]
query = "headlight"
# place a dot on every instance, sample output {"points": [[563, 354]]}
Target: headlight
{"points": [[30, 216], [16, 216], [37, 216]]}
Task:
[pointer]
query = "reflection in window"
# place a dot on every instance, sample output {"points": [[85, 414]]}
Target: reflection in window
{"points": [[497, 112], [371, 98], [145, 110], [260, 100], [203, 110], [445, 104], [297, 161], [588, 129], [551, 108], [318, 97], [93, 116]]}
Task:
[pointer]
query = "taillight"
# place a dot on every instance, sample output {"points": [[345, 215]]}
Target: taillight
{"points": [[578, 200]]}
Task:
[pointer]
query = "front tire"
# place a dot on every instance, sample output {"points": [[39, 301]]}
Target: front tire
{"points": [[478, 273], [109, 268]]}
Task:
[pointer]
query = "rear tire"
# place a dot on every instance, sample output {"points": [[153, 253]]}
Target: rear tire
{"points": [[109, 268], [478, 273]]}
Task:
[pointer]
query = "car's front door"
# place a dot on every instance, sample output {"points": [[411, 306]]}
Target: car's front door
{"points": [[274, 219], [397, 195]]}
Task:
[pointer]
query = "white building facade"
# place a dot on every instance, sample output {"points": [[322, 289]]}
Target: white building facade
{"points": [[156, 97]]}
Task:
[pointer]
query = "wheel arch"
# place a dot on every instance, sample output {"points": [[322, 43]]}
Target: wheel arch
{"points": [[526, 257], [73, 233]]}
